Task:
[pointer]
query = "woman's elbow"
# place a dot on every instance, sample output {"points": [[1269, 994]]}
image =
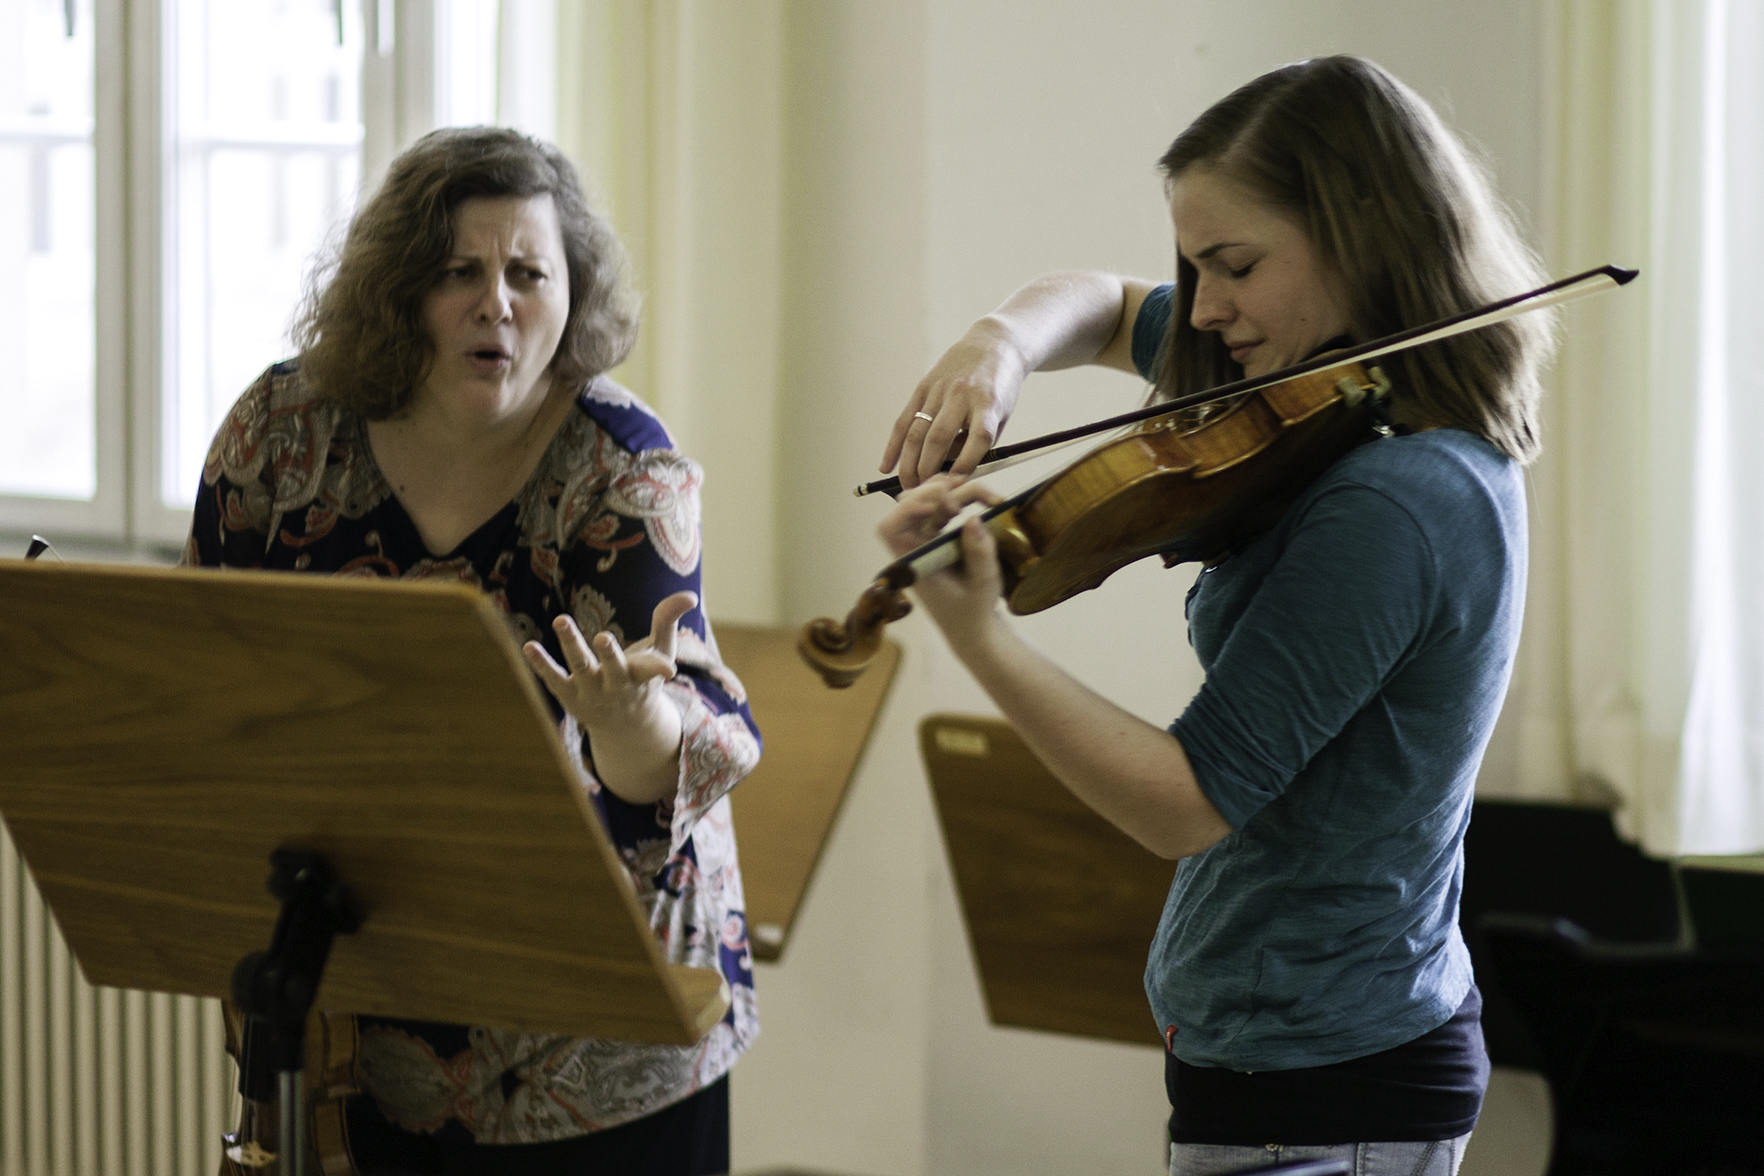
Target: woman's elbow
{"points": [[1184, 836]]}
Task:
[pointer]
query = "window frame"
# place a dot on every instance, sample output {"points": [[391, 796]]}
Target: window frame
{"points": [[104, 512], [412, 49]]}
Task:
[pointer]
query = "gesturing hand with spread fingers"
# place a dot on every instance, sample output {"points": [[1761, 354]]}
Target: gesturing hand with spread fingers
{"points": [[615, 693]]}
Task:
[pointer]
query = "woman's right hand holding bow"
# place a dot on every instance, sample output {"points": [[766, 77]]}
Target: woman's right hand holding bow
{"points": [[959, 410]]}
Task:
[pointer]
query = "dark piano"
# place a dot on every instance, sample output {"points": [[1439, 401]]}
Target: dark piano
{"points": [[1634, 985]]}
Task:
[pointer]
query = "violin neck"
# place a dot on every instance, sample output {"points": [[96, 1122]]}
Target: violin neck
{"points": [[942, 551]]}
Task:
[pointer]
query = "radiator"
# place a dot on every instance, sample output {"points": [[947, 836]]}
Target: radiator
{"points": [[99, 1081]]}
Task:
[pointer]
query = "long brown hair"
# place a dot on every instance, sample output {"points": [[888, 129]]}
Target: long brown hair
{"points": [[1402, 211], [360, 333]]}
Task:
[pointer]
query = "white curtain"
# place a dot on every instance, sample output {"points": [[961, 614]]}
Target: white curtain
{"points": [[675, 113], [1644, 673]]}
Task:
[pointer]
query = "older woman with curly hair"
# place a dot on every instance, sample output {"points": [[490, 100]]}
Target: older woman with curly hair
{"points": [[448, 416]]}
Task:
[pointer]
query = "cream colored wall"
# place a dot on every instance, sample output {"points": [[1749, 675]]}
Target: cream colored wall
{"points": [[935, 154]]}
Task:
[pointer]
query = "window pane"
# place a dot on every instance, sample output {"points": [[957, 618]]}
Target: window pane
{"points": [[268, 145], [47, 431]]}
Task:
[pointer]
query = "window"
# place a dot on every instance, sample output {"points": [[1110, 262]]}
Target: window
{"points": [[48, 446], [162, 235], [265, 157]]}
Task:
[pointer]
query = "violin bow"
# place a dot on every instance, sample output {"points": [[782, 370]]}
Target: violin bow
{"points": [[1604, 277]]}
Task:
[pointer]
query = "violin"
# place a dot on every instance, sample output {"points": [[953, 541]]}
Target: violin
{"points": [[330, 1079], [1170, 487]]}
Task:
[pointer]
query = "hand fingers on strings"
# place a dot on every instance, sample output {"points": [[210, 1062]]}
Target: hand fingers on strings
{"points": [[979, 568], [979, 548], [918, 514], [962, 493], [922, 513]]}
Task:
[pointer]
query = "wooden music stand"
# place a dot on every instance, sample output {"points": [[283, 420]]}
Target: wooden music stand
{"points": [[1060, 906], [814, 737], [167, 730]]}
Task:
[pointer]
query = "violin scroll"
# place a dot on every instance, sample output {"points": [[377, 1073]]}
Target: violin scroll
{"points": [[840, 651]]}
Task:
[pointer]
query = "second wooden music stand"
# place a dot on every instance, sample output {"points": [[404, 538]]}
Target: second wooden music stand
{"points": [[1060, 906], [814, 737]]}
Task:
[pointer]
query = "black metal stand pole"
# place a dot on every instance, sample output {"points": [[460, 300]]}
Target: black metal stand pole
{"points": [[274, 990]]}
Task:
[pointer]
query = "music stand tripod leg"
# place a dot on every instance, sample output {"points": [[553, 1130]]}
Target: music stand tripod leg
{"points": [[274, 990]]}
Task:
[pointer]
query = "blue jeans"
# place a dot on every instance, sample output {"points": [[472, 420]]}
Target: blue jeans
{"points": [[1368, 1159]]}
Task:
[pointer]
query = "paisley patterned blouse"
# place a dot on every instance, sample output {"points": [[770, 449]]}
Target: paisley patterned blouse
{"points": [[606, 527]]}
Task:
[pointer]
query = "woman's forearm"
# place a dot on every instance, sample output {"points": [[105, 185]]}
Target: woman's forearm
{"points": [[1133, 773]]}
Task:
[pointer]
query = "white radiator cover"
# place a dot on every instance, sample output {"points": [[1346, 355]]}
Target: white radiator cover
{"points": [[99, 1081]]}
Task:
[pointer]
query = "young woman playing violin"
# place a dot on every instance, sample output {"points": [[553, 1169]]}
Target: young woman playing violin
{"points": [[1308, 976]]}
